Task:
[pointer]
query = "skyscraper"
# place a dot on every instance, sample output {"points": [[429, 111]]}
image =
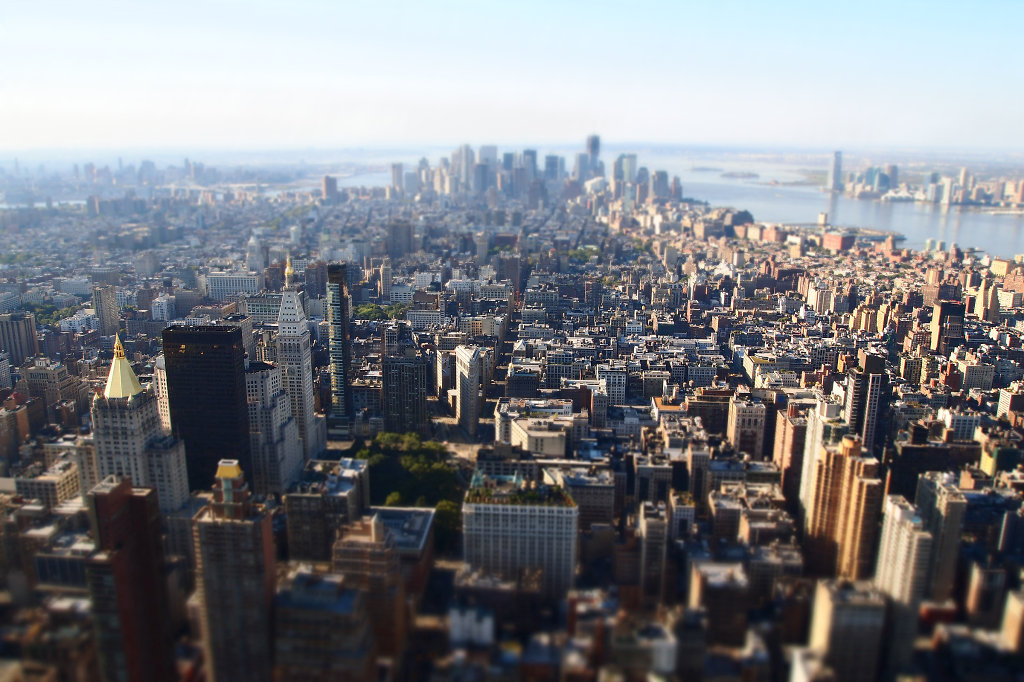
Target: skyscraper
{"points": [[530, 164], [653, 532], [339, 421], [329, 189], [867, 392], [825, 426], [129, 439], [902, 574], [404, 393], [295, 359], [255, 260], [835, 175], [235, 578], [941, 507], [104, 302], [467, 383], [384, 288], [274, 436], [127, 584], [843, 519], [746, 425], [399, 238], [466, 162], [206, 395], [847, 626], [18, 336], [160, 389], [594, 150], [947, 326], [396, 177]]}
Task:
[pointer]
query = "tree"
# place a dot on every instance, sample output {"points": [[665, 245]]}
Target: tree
{"points": [[370, 311], [447, 519], [394, 499]]}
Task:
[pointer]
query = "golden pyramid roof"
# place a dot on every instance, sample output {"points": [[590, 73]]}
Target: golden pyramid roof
{"points": [[121, 382], [228, 468]]}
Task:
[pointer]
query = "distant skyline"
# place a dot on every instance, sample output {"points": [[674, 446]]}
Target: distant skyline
{"points": [[252, 75]]}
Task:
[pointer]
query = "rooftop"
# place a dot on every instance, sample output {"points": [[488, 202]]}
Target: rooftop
{"points": [[514, 490]]}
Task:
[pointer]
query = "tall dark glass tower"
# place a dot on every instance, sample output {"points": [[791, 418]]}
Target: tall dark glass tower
{"points": [[339, 421], [207, 399]]}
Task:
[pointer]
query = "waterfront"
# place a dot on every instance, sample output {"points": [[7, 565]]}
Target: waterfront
{"points": [[1001, 235]]}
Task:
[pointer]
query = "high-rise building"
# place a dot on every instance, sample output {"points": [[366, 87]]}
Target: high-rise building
{"points": [[904, 554], [404, 393], [384, 288], [825, 426], [295, 360], [329, 189], [467, 383], [552, 167], [274, 436], [320, 630], [127, 584], [653, 531], [339, 420], [130, 441], [581, 171], [788, 454], [947, 327], [594, 151], [835, 175], [366, 555], [843, 518], [530, 164], [207, 397], [397, 179], [511, 527], [399, 238], [160, 389], [941, 507], [255, 259], [986, 306], [6, 380], [847, 627], [235, 579], [18, 336], [1011, 634], [466, 162], [867, 393], [746, 425], [104, 302], [331, 494], [315, 279]]}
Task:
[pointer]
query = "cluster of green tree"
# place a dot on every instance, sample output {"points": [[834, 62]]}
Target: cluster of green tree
{"points": [[14, 258], [406, 470], [641, 245], [372, 311], [297, 212], [47, 313], [584, 253]]}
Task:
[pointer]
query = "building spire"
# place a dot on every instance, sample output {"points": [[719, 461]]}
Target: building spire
{"points": [[121, 382], [289, 273]]}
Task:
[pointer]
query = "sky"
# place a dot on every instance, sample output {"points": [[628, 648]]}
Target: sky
{"points": [[250, 74]]}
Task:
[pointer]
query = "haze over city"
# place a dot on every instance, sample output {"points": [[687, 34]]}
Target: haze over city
{"points": [[262, 75]]}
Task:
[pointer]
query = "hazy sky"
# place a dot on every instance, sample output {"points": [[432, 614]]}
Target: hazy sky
{"points": [[299, 73]]}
